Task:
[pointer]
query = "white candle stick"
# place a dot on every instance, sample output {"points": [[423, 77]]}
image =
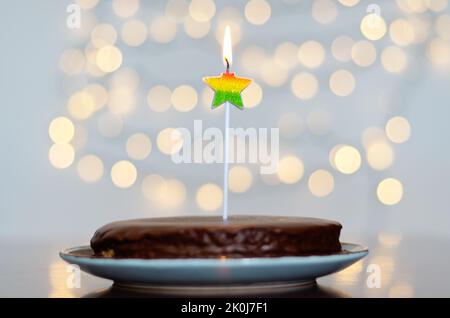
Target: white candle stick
{"points": [[226, 148]]}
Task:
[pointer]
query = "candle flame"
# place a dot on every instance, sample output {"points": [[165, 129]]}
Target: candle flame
{"points": [[227, 50]]}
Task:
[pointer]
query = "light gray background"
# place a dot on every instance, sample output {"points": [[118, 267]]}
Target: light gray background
{"points": [[38, 201]]}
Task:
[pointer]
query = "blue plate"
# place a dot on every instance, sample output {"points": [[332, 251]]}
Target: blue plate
{"points": [[213, 273]]}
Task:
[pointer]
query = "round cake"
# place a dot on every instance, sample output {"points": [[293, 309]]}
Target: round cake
{"points": [[211, 237]]}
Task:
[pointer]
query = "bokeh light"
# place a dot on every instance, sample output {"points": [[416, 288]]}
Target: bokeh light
{"points": [[273, 73], [438, 52], [290, 169], [125, 77], [240, 179], [209, 197], [345, 159], [401, 32], [169, 141], [154, 187], [81, 105], [342, 83], [109, 59], [305, 85], [184, 98], [252, 95], [324, 11], [103, 34], [257, 11], [125, 8], [138, 146], [394, 59], [286, 55], [122, 100], [341, 48], [364, 53], [61, 156], [123, 174], [196, 29], [311, 54], [176, 10], [87, 4], [401, 290], [349, 3], [134, 32], [373, 26], [61, 130], [163, 30], [321, 183], [390, 191], [99, 95], [90, 168], [398, 129], [202, 10], [380, 155], [159, 98]]}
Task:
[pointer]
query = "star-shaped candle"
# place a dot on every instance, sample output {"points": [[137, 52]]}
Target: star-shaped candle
{"points": [[227, 87], [227, 90]]}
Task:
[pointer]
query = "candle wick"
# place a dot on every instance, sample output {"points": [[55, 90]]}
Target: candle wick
{"points": [[228, 65]]}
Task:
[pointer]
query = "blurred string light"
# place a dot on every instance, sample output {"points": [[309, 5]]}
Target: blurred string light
{"points": [[159, 98], [305, 85], [134, 32], [123, 174], [398, 129], [363, 53], [138, 146], [345, 159], [240, 179], [209, 197], [311, 54], [324, 11], [169, 141], [321, 183], [257, 11], [87, 4], [184, 98], [373, 26], [202, 10], [252, 95], [58, 278], [290, 169], [125, 8], [103, 56], [342, 83], [163, 30], [61, 130], [390, 191], [61, 156], [90, 168]]}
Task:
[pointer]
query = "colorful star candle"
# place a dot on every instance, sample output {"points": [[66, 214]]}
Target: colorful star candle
{"points": [[227, 89]]}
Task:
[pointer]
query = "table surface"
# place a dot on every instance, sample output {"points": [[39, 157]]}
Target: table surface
{"points": [[410, 267]]}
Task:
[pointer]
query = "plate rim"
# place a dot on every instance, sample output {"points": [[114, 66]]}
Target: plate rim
{"points": [[65, 254]]}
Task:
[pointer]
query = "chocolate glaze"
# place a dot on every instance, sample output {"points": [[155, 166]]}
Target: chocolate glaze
{"points": [[211, 237]]}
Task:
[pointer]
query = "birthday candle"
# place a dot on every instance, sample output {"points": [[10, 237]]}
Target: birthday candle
{"points": [[227, 89]]}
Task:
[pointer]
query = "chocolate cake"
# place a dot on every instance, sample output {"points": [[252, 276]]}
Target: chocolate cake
{"points": [[211, 237]]}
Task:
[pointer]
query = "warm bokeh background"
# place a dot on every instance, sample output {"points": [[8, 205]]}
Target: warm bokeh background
{"points": [[362, 103]]}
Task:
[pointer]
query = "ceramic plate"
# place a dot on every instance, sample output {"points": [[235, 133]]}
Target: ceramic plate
{"points": [[212, 273]]}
